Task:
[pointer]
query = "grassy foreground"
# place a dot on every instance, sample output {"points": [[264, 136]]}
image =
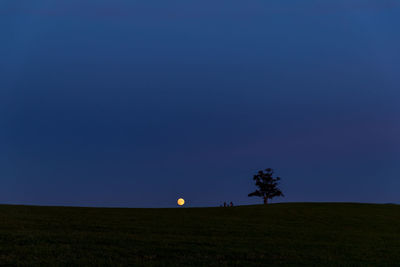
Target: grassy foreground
{"points": [[309, 234]]}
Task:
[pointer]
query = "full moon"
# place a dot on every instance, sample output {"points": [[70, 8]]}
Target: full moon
{"points": [[181, 201]]}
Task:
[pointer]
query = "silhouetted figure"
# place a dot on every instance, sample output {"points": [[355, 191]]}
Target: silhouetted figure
{"points": [[267, 185], [224, 204], [231, 204]]}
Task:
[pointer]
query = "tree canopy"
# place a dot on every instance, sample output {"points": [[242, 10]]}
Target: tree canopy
{"points": [[267, 185]]}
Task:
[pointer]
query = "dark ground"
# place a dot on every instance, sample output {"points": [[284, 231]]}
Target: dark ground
{"points": [[308, 234]]}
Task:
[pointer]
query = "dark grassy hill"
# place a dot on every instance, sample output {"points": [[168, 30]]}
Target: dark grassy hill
{"points": [[281, 234]]}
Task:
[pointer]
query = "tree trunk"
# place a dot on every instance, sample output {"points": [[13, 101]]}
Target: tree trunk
{"points": [[265, 200]]}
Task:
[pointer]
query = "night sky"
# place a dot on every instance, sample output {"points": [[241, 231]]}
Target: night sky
{"points": [[136, 103]]}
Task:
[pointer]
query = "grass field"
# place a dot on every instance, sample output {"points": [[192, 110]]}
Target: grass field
{"points": [[308, 234]]}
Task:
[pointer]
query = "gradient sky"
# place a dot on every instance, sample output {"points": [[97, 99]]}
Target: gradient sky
{"points": [[136, 103]]}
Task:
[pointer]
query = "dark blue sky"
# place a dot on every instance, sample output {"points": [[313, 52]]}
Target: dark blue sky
{"points": [[137, 103]]}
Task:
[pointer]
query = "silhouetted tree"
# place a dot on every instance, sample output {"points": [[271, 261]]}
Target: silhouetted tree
{"points": [[267, 185]]}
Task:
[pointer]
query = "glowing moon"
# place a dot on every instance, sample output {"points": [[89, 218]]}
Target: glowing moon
{"points": [[181, 202]]}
